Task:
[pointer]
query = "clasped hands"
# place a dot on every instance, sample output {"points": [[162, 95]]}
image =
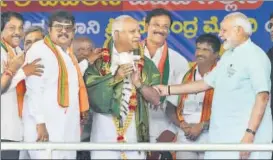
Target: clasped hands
{"points": [[192, 131]]}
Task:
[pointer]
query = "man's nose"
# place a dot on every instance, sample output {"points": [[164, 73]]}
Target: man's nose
{"points": [[18, 31], [138, 35]]}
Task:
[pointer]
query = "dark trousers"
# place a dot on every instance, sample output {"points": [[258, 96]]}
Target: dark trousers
{"points": [[85, 137], [9, 154]]}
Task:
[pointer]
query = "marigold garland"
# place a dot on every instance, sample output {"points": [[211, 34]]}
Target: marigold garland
{"points": [[105, 69]]}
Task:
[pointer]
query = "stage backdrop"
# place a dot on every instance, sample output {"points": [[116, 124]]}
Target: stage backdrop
{"points": [[191, 18]]}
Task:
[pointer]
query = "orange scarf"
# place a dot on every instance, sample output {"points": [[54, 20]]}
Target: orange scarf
{"points": [[21, 86], [207, 102], [63, 89]]}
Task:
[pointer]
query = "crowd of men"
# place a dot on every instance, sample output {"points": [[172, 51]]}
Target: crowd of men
{"points": [[61, 88]]}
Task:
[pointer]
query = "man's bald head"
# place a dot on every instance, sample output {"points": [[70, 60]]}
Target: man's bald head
{"points": [[82, 47]]}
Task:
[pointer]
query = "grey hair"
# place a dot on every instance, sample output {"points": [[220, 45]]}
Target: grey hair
{"points": [[242, 21], [34, 29], [117, 24]]}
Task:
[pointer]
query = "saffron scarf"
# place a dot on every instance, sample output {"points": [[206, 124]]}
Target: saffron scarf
{"points": [[207, 102], [63, 86], [21, 86]]}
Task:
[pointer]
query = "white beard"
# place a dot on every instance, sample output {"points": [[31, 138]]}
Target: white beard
{"points": [[227, 45]]}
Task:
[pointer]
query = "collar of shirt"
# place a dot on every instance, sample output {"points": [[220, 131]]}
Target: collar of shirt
{"points": [[197, 75], [242, 46], [156, 57]]}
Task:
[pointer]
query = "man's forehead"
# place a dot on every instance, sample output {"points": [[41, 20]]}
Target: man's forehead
{"points": [[64, 23], [204, 45], [33, 34], [14, 20], [131, 25]]}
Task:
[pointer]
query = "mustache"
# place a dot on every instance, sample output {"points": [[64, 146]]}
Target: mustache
{"points": [[161, 33], [65, 35], [16, 35], [199, 56]]}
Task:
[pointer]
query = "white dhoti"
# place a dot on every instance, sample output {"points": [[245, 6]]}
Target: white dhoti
{"points": [[104, 131]]}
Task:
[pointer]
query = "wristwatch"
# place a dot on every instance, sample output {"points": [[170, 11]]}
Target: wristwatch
{"points": [[250, 131], [140, 87]]}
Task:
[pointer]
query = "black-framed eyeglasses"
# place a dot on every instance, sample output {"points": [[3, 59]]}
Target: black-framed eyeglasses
{"points": [[68, 28]]}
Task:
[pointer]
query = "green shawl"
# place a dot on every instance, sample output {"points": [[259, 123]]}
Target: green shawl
{"points": [[105, 95]]}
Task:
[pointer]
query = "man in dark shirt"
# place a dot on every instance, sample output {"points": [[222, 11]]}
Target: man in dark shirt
{"points": [[270, 55]]}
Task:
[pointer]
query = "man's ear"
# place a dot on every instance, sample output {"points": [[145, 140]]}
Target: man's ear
{"points": [[146, 27], [48, 29], [217, 55], [116, 35]]}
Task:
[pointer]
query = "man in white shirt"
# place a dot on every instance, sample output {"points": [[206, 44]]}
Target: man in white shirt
{"points": [[53, 102], [171, 65], [32, 35], [192, 114], [12, 99]]}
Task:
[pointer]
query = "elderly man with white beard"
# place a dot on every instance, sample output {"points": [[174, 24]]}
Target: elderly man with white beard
{"points": [[240, 108]]}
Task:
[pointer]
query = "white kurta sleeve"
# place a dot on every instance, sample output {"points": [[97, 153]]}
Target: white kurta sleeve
{"points": [[181, 69], [35, 87], [83, 66]]}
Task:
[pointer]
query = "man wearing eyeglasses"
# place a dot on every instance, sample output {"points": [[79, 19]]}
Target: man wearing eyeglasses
{"points": [[171, 65], [12, 99], [55, 101]]}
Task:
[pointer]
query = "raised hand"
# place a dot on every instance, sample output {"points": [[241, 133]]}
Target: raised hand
{"points": [[13, 64], [123, 71], [135, 76], [94, 55]]}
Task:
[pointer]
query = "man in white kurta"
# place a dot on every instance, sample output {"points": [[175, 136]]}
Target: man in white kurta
{"points": [[42, 107], [192, 115], [11, 34], [121, 72], [158, 23]]}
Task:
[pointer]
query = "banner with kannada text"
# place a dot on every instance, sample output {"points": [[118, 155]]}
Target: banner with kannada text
{"points": [[190, 18]]}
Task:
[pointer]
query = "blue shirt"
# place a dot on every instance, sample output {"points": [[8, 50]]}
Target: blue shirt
{"points": [[239, 76]]}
